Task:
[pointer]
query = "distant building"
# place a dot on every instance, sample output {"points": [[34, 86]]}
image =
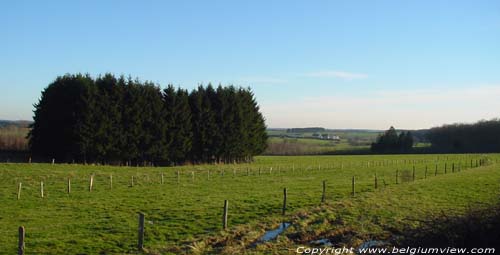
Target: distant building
{"points": [[326, 137]]}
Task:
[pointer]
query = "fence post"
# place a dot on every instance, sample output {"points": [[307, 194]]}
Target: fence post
{"points": [[178, 176], [19, 187], [69, 185], [224, 216], [140, 241], [91, 183], [376, 181], [413, 173], [20, 250], [110, 181], [162, 179], [445, 168], [453, 167], [284, 201], [425, 174], [353, 185], [323, 197], [41, 189]]}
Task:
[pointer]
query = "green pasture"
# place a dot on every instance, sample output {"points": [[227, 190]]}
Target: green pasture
{"points": [[188, 204]]}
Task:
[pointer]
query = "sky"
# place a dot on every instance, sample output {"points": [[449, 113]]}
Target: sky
{"points": [[334, 64]]}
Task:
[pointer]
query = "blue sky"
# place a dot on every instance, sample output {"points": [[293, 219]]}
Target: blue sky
{"points": [[337, 64]]}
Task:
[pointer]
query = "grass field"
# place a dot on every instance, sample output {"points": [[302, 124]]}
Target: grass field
{"points": [[188, 208]]}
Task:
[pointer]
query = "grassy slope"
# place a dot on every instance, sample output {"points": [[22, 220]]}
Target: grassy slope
{"points": [[386, 214], [105, 220]]}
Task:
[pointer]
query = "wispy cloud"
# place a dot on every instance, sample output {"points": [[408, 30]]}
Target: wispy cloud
{"points": [[337, 74], [261, 80]]}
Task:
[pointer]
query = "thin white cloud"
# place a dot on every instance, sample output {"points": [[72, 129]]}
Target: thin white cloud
{"points": [[337, 74], [261, 80], [410, 109]]}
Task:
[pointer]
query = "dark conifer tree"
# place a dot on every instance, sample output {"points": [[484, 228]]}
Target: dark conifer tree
{"points": [[132, 109], [119, 120], [178, 120]]}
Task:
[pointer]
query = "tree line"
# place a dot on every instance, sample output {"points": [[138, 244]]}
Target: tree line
{"points": [[480, 137], [391, 142], [118, 120]]}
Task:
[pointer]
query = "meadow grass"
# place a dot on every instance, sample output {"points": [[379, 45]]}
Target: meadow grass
{"points": [[185, 209]]}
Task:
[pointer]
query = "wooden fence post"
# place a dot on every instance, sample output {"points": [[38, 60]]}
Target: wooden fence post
{"points": [[110, 181], [41, 189], [140, 241], [323, 197], [132, 182], [162, 179], [353, 185], [453, 167], [22, 234], [91, 183], [192, 176], [413, 173], [376, 181], [19, 187], [284, 201], [69, 185], [224, 215], [445, 168], [178, 176]]}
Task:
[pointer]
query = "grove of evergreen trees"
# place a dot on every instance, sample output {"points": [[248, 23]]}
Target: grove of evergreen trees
{"points": [[118, 120], [391, 142], [482, 136]]}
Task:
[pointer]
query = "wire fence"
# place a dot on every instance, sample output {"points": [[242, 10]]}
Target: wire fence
{"points": [[301, 195]]}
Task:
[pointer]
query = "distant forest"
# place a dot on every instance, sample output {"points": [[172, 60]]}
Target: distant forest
{"points": [[118, 120], [306, 130], [391, 142], [482, 136]]}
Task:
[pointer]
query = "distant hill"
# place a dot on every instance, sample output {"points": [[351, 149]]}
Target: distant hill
{"points": [[17, 123], [305, 130]]}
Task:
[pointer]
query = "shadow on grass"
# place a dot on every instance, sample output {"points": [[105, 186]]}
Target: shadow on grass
{"points": [[478, 228]]}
